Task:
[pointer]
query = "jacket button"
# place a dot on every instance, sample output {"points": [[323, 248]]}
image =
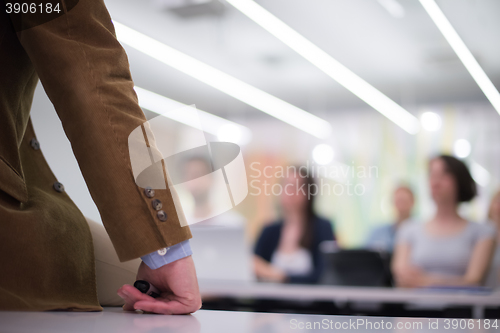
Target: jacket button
{"points": [[156, 204], [58, 187], [162, 216], [35, 144], [149, 192]]}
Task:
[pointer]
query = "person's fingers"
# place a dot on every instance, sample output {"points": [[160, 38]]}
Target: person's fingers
{"points": [[134, 293], [128, 307], [131, 295], [170, 307], [129, 304]]}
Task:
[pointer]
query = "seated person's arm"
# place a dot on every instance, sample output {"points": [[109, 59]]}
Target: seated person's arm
{"points": [[311, 278], [267, 244], [401, 267], [476, 270], [265, 271], [407, 275]]}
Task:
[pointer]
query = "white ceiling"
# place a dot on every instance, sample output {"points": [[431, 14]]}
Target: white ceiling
{"points": [[406, 58]]}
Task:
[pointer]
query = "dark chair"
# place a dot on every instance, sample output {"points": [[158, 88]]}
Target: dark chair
{"points": [[363, 268]]}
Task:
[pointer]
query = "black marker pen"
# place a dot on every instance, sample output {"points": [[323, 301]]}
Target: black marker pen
{"points": [[147, 288]]}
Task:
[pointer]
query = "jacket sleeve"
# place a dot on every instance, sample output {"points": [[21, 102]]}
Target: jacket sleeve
{"points": [[85, 73]]}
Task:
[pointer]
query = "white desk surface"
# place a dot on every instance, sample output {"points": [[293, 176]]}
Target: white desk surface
{"points": [[115, 320], [234, 289]]}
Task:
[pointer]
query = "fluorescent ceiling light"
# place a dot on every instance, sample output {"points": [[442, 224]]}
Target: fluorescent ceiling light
{"points": [[430, 121], [393, 7], [323, 154], [462, 148], [215, 78], [327, 64], [210, 123], [462, 52]]}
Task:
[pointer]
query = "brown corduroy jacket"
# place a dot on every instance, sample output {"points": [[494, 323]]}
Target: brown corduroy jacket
{"points": [[46, 252]]}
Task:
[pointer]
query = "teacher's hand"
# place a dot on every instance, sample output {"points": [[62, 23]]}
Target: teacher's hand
{"points": [[178, 285]]}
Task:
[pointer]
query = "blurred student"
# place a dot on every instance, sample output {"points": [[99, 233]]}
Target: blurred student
{"points": [[382, 238], [493, 279], [288, 250], [447, 250]]}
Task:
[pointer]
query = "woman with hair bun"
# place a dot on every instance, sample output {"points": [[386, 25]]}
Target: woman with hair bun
{"points": [[448, 250]]}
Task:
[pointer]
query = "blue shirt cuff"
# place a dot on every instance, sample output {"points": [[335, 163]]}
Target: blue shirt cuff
{"points": [[167, 255]]}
